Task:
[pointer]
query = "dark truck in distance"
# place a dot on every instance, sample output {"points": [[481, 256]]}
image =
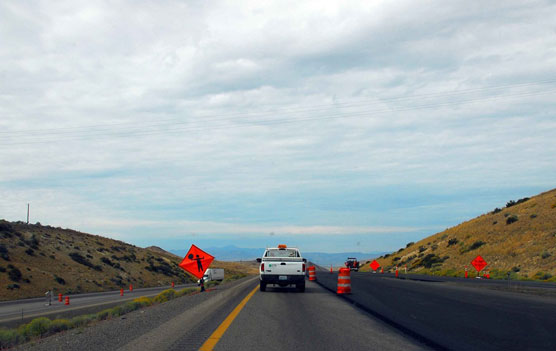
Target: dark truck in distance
{"points": [[282, 266], [352, 264]]}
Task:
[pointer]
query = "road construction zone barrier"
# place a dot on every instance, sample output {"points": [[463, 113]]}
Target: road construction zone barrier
{"points": [[312, 273], [67, 302], [344, 281]]}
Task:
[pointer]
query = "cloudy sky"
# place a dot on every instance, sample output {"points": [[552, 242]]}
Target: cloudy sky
{"points": [[333, 126]]}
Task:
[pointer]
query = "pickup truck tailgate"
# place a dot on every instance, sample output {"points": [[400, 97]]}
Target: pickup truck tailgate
{"points": [[283, 268]]}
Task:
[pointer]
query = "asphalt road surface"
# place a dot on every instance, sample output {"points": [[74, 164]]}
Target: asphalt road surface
{"points": [[283, 319], [452, 315], [278, 319], [14, 313]]}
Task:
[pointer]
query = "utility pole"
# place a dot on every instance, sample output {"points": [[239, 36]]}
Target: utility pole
{"points": [[27, 213]]}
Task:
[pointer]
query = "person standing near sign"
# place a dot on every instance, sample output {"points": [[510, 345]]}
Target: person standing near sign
{"points": [[48, 300], [202, 284]]}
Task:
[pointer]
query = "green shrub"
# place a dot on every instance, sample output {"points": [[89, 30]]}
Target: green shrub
{"points": [[409, 244], [144, 301], [81, 321], [512, 219], [452, 241], [473, 246], [476, 245], [542, 275], [546, 255], [14, 274], [9, 338], [37, 327], [429, 260], [164, 296], [59, 325], [104, 314], [77, 257]]}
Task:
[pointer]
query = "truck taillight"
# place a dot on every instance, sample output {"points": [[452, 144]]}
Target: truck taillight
{"points": [[262, 267], [303, 267]]}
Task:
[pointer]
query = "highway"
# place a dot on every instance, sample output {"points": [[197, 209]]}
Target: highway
{"points": [[14, 313], [381, 313], [278, 319], [448, 314]]}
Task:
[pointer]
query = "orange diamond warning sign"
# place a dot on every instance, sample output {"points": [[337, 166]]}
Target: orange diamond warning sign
{"points": [[479, 263], [375, 265], [196, 261]]}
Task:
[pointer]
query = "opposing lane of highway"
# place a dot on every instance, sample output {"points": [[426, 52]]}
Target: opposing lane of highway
{"points": [[455, 317], [13, 313]]}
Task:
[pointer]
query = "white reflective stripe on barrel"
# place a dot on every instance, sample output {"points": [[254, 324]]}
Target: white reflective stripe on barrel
{"points": [[344, 285]]}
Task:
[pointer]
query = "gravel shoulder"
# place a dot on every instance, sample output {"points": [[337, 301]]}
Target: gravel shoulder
{"points": [[157, 327]]}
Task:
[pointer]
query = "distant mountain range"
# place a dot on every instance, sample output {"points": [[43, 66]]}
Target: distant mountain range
{"points": [[234, 253]]}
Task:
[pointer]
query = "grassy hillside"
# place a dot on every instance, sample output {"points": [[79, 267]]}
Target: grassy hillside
{"points": [[519, 238], [35, 258]]}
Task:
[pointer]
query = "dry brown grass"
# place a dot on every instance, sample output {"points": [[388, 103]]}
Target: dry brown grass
{"points": [[527, 245], [42, 256]]}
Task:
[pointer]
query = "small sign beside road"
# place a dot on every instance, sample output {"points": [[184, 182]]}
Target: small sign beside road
{"points": [[479, 263], [375, 265]]}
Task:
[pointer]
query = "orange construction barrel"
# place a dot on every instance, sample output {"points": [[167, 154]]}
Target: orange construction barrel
{"points": [[312, 273], [344, 281]]}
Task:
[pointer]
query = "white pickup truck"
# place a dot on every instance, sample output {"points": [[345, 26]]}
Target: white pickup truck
{"points": [[282, 266]]}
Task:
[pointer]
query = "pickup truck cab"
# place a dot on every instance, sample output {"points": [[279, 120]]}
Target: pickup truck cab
{"points": [[282, 266]]}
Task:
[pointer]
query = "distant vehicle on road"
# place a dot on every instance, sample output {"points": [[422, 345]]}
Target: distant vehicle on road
{"points": [[213, 274], [352, 264], [282, 266]]}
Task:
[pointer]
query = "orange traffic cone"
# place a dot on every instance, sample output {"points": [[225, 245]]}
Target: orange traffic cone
{"points": [[312, 273], [331, 269], [130, 287], [344, 281], [172, 284], [121, 292], [67, 300], [59, 297]]}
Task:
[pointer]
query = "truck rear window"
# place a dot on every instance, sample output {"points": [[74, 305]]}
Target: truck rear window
{"points": [[282, 253]]}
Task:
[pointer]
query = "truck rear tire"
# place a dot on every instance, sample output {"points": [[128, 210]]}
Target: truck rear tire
{"points": [[300, 287], [262, 287]]}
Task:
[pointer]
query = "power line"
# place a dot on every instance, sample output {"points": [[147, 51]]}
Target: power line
{"points": [[313, 108], [141, 131]]}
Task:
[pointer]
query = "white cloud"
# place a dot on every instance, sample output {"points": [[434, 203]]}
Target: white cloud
{"points": [[108, 103]]}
